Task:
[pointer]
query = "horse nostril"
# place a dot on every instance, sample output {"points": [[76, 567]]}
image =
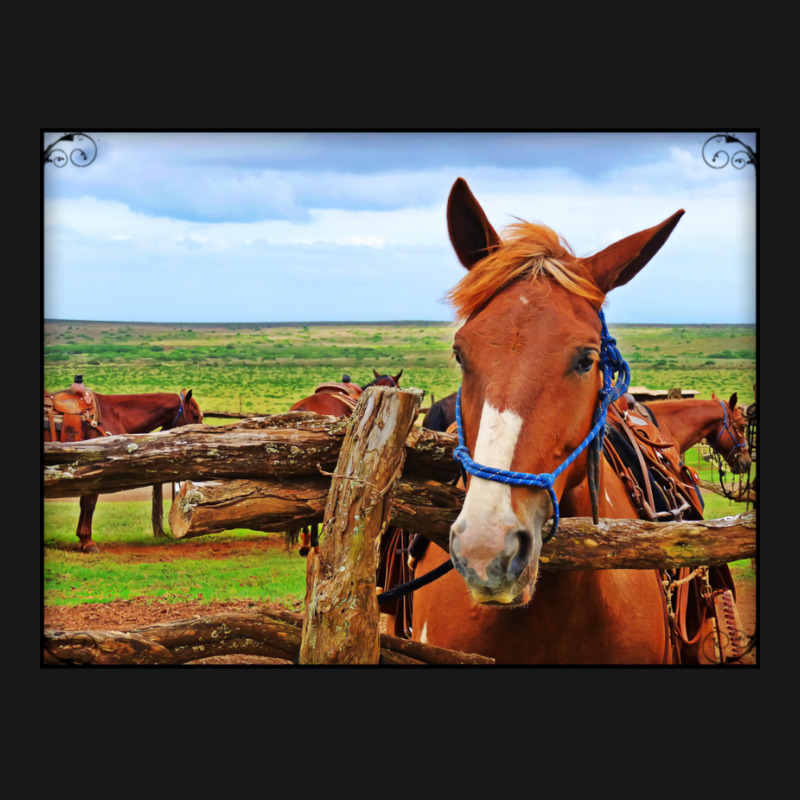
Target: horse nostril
{"points": [[519, 546]]}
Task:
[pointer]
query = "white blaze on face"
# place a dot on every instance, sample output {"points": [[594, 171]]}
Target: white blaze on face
{"points": [[487, 506], [497, 440]]}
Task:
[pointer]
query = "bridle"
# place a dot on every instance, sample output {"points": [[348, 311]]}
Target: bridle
{"points": [[738, 443], [181, 410], [377, 382], [611, 363]]}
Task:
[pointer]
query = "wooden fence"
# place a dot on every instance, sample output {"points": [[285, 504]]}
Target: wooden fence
{"points": [[356, 476]]}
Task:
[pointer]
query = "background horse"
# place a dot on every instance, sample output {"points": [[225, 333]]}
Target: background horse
{"points": [[442, 414], [537, 364], [721, 424], [131, 413], [337, 400]]}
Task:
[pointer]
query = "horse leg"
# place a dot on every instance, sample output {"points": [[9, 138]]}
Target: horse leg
{"points": [[310, 539], [88, 503], [158, 511]]}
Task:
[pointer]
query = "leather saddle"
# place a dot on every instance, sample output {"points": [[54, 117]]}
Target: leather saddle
{"points": [[660, 485], [66, 412], [663, 488], [348, 393]]}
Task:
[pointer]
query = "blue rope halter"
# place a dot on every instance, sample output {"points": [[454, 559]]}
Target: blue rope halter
{"points": [[180, 411], [611, 362]]}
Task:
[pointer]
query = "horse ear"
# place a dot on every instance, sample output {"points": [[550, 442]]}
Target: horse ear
{"points": [[734, 399], [396, 378], [376, 373], [471, 233], [188, 395], [620, 261]]}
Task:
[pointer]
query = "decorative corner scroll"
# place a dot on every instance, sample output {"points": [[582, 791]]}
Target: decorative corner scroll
{"points": [[78, 149], [719, 158]]}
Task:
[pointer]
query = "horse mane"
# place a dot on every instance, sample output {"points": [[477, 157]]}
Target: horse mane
{"points": [[528, 250]]}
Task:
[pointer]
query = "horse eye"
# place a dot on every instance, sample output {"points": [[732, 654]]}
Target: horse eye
{"points": [[585, 362], [457, 356]]}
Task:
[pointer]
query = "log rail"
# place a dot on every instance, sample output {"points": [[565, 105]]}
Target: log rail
{"points": [[357, 476]]}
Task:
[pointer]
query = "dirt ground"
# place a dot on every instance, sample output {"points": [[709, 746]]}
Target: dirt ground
{"points": [[125, 615]]}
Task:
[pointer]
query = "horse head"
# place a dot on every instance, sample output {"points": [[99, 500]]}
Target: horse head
{"points": [[188, 412], [531, 351], [384, 380], [729, 438]]}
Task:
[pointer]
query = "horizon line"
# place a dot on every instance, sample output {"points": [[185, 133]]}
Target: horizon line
{"points": [[294, 323]]}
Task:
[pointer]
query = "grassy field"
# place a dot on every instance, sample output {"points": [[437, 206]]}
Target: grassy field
{"points": [[263, 369], [275, 575]]}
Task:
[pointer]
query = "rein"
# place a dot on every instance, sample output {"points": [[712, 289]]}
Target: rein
{"points": [[611, 363], [720, 459]]}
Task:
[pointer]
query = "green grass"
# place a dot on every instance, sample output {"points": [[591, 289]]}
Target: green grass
{"points": [[264, 369], [272, 574], [72, 579]]}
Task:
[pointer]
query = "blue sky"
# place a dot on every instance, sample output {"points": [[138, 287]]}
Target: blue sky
{"points": [[314, 226]]}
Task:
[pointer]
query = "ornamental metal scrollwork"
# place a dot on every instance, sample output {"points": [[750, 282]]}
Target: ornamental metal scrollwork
{"points": [[721, 158], [83, 151]]}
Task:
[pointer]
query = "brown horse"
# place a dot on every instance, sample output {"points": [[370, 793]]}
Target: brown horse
{"points": [[537, 364], [336, 400], [442, 414], [721, 424], [339, 399], [130, 413]]}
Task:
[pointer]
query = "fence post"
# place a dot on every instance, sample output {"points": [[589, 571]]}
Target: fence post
{"points": [[340, 625]]}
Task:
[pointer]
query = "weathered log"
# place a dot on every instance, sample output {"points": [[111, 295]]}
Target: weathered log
{"points": [[279, 505], [640, 544], [273, 634], [285, 445], [260, 505], [341, 617], [430, 508]]}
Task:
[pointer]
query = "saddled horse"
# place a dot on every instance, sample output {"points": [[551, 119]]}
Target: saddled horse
{"points": [[111, 414], [338, 400], [721, 424], [538, 374]]}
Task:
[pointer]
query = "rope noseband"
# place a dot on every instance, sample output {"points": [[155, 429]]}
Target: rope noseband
{"points": [[611, 362]]}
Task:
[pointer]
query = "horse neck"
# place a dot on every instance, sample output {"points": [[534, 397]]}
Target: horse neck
{"points": [[689, 421], [614, 501], [137, 413]]}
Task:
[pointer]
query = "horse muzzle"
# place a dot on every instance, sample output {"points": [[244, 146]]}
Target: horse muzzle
{"points": [[741, 462], [496, 576]]}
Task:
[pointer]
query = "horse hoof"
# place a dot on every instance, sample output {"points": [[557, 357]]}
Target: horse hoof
{"points": [[304, 551], [91, 549]]}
